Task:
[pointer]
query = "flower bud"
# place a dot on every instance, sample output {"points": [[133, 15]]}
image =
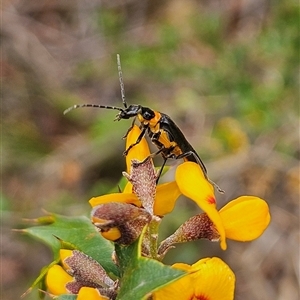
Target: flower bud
{"points": [[143, 178], [126, 219], [85, 270], [197, 227]]}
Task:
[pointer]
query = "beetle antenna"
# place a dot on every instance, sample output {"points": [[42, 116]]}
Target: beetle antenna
{"points": [[121, 81], [92, 105]]}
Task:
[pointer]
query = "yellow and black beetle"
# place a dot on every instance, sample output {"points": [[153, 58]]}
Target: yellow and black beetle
{"points": [[160, 128]]}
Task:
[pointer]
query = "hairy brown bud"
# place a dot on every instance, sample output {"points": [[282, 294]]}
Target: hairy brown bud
{"points": [[197, 227]]}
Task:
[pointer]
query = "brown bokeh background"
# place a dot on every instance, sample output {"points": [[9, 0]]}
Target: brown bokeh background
{"points": [[225, 71]]}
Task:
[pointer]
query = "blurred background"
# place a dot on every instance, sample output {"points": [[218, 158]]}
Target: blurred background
{"points": [[226, 72]]}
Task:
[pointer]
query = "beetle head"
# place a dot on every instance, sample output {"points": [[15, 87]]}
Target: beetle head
{"points": [[131, 111]]}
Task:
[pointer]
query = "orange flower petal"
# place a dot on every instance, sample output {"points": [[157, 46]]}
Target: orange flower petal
{"points": [[56, 280], [115, 197], [90, 294], [245, 218], [128, 188], [65, 253], [182, 266], [139, 151], [209, 278], [192, 182], [194, 185], [215, 280], [166, 196], [112, 234], [181, 288]]}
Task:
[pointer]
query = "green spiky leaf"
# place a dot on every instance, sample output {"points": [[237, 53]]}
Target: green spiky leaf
{"points": [[76, 232], [140, 275]]}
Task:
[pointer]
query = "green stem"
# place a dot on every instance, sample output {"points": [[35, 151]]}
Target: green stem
{"points": [[153, 235]]}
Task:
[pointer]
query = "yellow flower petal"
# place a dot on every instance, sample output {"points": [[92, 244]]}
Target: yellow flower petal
{"points": [[139, 151], [166, 196], [209, 278], [245, 218], [128, 188], [215, 280], [116, 197], [56, 280], [194, 185], [65, 253], [181, 289], [192, 182], [90, 294], [182, 266], [112, 234]]}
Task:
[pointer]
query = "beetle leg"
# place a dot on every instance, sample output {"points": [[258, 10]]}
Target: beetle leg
{"points": [[198, 160], [161, 169], [129, 129], [142, 134], [165, 157]]}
